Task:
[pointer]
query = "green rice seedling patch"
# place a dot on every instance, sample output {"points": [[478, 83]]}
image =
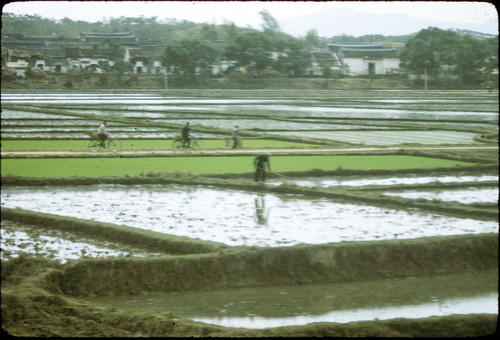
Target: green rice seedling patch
{"points": [[365, 162], [43, 145], [120, 166], [139, 144]]}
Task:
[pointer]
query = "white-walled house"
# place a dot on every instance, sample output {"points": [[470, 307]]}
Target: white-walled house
{"points": [[40, 64], [20, 66], [367, 59], [222, 66]]}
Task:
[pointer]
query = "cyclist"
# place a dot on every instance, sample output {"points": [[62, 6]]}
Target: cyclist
{"points": [[186, 138], [102, 133]]}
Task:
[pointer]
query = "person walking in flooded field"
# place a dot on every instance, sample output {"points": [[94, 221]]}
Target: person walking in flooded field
{"points": [[102, 133], [186, 137], [260, 163], [234, 136]]}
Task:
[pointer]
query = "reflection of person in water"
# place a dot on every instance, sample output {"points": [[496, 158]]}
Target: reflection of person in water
{"points": [[261, 213]]}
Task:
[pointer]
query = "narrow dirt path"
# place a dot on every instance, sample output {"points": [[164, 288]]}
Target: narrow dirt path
{"points": [[224, 152]]}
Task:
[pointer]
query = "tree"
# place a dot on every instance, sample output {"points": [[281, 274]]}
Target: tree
{"points": [[115, 53], [491, 64], [122, 66], [447, 53], [187, 57], [111, 50], [312, 37], [208, 32], [430, 50], [230, 30], [296, 59], [270, 24], [472, 60], [251, 50]]}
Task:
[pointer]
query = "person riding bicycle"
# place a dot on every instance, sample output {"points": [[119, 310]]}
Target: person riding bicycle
{"points": [[102, 133], [186, 137]]}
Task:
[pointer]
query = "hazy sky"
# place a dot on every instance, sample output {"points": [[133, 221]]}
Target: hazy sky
{"points": [[247, 13]]}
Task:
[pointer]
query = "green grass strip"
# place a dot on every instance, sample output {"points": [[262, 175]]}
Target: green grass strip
{"points": [[139, 144], [97, 167]]}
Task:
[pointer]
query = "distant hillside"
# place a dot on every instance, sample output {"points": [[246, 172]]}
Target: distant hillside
{"points": [[476, 35], [343, 21]]}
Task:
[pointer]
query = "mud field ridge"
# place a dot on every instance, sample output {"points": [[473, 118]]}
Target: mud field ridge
{"points": [[216, 152]]}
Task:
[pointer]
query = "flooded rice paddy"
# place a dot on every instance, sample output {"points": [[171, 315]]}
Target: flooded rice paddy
{"points": [[266, 307], [236, 218], [392, 137], [244, 218], [356, 181], [333, 116], [465, 196], [19, 239]]}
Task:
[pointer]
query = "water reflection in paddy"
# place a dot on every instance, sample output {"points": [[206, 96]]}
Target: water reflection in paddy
{"points": [[275, 107], [357, 181], [473, 305], [263, 307], [20, 239], [465, 196], [389, 137], [235, 217]]}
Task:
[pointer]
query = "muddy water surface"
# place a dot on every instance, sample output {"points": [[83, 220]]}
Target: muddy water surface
{"points": [[465, 196], [234, 217], [411, 297], [20, 239], [357, 181]]}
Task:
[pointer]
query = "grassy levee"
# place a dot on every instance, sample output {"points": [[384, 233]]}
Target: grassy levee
{"points": [[301, 264], [115, 233], [49, 315]]}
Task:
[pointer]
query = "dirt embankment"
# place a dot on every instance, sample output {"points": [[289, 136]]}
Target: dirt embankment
{"points": [[53, 316], [223, 152], [238, 267], [84, 81], [36, 293]]}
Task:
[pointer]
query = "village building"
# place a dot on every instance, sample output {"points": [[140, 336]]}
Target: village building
{"points": [[221, 66], [60, 54], [323, 59], [366, 59], [20, 66], [123, 38]]}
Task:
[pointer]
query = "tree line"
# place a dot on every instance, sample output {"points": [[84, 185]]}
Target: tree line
{"points": [[447, 55], [191, 48]]}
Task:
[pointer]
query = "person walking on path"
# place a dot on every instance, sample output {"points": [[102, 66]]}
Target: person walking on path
{"points": [[260, 163], [234, 136], [186, 137]]}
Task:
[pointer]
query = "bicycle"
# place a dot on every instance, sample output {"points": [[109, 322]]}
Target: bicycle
{"points": [[110, 144], [180, 143]]}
